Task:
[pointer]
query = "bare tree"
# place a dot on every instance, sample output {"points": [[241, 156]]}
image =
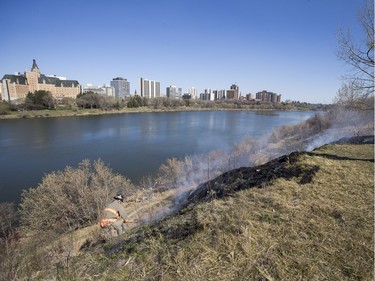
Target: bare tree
{"points": [[350, 97], [359, 55]]}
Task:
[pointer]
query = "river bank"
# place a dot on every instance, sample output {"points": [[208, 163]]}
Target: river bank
{"points": [[47, 113], [82, 112]]}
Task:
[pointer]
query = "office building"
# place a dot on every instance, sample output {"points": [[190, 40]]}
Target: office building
{"points": [[173, 92], [121, 87]]}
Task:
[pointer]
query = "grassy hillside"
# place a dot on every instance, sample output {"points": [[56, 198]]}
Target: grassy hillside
{"points": [[305, 216]]}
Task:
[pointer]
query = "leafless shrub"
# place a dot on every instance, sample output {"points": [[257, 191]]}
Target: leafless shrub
{"points": [[147, 188], [174, 173], [212, 165], [168, 174], [302, 131], [9, 254], [70, 199]]}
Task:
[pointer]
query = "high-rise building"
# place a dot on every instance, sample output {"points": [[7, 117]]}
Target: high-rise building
{"points": [[121, 86], [193, 92], [268, 97], [230, 94], [207, 95], [16, 87], [219, 94], [173, 92], [234, 92], [149, 88]]}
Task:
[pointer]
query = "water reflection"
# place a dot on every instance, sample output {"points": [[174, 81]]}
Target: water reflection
{"points": [[267, 112]]}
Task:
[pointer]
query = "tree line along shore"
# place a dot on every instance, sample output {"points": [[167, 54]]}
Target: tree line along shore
{"points": [[93, 104]]}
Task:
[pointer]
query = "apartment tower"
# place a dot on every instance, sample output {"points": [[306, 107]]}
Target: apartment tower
{"points": [[149, 88]]}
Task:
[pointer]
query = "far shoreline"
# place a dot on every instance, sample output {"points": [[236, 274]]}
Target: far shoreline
{"points": [[53, 113]]}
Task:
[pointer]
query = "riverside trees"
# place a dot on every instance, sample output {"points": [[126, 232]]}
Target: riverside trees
{"points": [[40, 100], [94, 100]]}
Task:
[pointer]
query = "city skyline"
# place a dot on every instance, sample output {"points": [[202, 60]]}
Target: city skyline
{"points": [[287, 48], [15, 87]]}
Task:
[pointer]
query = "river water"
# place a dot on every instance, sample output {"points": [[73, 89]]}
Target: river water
{"points": [[134, 144]]}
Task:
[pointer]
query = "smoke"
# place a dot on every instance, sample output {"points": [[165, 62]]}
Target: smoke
{"points": [[328, 136], [185, 174], [179, 195], [344, 124]]}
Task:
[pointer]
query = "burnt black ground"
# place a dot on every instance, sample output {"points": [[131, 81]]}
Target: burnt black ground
{"points": [[261, 176]]}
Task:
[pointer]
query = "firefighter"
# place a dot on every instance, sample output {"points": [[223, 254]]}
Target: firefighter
{"points": [[113, 217]]}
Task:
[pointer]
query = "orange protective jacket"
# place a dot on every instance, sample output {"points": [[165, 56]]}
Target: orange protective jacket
{"points": [[112, 213]]}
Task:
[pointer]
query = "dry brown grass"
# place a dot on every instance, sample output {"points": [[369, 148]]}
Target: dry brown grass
{"points": [[322, 230]]}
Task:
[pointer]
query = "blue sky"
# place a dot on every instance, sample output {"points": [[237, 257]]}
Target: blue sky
{"points": [[284, 46]]}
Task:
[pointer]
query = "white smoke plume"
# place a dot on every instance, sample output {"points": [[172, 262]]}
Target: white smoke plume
{"points": [[345, 124]]}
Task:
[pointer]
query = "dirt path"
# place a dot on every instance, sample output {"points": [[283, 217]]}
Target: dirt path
{"points": [[157, 206]]}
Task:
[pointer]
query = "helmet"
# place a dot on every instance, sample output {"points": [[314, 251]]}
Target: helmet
{"points": [[119, 197]]}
